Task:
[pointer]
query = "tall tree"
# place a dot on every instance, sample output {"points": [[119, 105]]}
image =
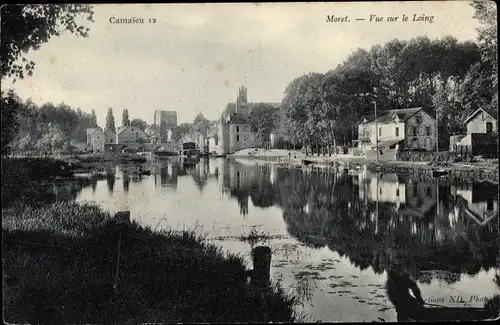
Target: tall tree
{"points": [[110, 121], [10, 106], [137, 122], [125, 118], [93, 119], [262, 121], [26, 27]]}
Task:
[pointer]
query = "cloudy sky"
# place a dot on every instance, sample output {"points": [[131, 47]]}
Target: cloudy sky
{"points": [[194, 58]]}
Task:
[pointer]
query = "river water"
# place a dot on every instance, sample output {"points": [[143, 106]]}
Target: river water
{"points": [[333, 233]]}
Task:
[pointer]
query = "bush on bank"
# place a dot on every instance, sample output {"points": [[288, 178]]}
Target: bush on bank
{"points": [[60, 263]]}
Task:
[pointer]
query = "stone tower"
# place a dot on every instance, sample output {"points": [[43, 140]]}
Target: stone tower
{"points": [[241, 99]]}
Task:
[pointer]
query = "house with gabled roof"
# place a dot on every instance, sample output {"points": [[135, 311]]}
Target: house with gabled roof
{"points": [[234, 132], [96, 139], [409, 128], [482, 134]]}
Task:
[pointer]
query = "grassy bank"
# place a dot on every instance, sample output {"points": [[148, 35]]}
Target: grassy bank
{"points": [[59, 263], [456, 172]]}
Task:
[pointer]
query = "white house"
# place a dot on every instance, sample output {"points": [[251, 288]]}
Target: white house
{"points": [[96, 139], [410, 128]]}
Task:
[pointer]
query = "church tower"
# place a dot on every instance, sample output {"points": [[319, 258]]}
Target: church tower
{"points": [[241, 99]]}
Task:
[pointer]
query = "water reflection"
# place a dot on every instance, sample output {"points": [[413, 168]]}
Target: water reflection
{"points": [[341, 225], [377, 220]]}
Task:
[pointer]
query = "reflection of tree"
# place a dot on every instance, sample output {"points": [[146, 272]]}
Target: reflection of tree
{"points": [[93, 182], [126, 183], [110, 181], [321, 206]]}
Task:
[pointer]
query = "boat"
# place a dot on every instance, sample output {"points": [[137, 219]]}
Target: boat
{"points": [[189, 155], [307, 162], [143, 173], [439, 173], [164, 153]]}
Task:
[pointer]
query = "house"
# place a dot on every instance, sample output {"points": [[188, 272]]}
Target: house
{"points": [[409, 128], [234, 131], [213, 140], [96, 139], [481, 137], [110, 136], [196, 137], [130, 134]]}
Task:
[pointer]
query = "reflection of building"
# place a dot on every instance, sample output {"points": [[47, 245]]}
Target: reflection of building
{"points": [[478, 201], [386, 188]]}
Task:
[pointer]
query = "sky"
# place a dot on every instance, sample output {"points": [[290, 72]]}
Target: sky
{"points": [[196, 56]]}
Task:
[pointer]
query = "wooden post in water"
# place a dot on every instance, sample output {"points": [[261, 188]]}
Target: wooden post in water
{"points": [[261, 266], [121, 218]]}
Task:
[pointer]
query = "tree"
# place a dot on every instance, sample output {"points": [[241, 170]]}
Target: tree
{"points": [[26, 27], [125, 118], [52, 141], [137, 122], [262, 121], [93, 119], [110, 121], [10, 106]]}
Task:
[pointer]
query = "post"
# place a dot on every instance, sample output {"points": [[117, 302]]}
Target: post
{"points": [[437, 134], [376, 128], [121, 218], [261, 266]]}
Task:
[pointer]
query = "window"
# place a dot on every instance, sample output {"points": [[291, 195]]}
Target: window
{"points": [[427, 130], [414, 131], [379, 132], [397, 131], [419, 119], [397, 192], [380, 190], [415, 191], [237, 138], [428, 191], [237, 130], [489, 127]]}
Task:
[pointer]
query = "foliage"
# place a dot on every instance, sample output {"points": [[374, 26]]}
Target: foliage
{"points": [[262, 120], [125, 118], [52, 141], [165, 276], [93, 119], [181, 130], [26, 27], [110, 121], [323, 109], [137, 122], [10, 124]]}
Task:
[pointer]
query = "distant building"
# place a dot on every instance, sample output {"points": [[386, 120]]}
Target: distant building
{"points": [[130, 134], [96, 139], [409, 128], [196, 137], [110, 136], [481, 137], [170, 117], [234, 131]]}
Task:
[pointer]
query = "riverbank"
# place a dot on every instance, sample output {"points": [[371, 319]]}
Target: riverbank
{"points": [[481, 171], [60, 262]]}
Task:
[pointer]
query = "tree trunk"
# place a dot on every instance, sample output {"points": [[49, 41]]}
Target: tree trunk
{"points": [[334, 145], [317, 147], [329, 149]]}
